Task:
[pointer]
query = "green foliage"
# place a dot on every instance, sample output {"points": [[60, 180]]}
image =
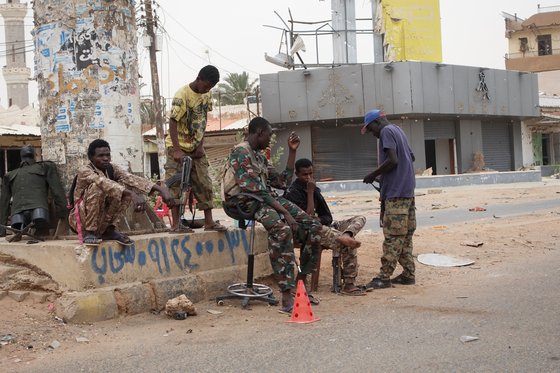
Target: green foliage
{"points": [[275, 157], [235, 88]]}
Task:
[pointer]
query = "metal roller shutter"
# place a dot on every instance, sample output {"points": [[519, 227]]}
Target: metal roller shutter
{"points": [[439, 130], [497, 146], [342, 153]]}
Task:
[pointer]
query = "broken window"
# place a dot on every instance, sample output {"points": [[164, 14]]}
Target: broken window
{"points": [[544, 43], [523, 45]]}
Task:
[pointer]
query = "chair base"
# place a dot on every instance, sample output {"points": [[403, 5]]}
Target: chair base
{"points": [[247, 293], [19, 233]]}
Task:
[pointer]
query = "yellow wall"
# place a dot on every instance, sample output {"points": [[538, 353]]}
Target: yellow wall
{"points": [[412, 30]]}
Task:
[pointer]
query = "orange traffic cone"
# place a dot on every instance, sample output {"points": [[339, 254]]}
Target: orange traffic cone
{"points": [[302, 313]]}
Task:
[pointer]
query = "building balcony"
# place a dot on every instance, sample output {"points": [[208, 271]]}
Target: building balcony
{"points": [[531, 61]]}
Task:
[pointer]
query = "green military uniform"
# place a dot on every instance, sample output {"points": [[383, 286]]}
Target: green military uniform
{"points": [[247, 171], [28, 186]]}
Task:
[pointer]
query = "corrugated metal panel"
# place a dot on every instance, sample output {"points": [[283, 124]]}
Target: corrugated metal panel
{"points": [[343, 153], [439, 130], [497, 146], [216, 157]]}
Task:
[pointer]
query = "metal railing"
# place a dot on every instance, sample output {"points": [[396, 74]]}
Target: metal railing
{"points": [[544, 9], [531, 53]]}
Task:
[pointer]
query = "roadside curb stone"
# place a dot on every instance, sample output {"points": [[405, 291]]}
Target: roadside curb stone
{"points": [[194, 287], [84, 307], [134, 298], [128, 299], [18, 295]]}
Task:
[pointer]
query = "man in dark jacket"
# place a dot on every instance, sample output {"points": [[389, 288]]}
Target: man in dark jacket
{"points": [[28, 188]]}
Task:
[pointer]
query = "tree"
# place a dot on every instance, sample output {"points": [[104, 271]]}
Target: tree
{"points": [[236, 87]]}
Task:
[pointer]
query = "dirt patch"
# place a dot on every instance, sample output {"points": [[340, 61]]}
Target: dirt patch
{"points": [[505, 240]]}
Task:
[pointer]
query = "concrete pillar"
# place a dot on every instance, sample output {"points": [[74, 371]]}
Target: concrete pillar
{"points": [[526, 145], [469, 142], [87, 73], [344, 23], [16, 73]]}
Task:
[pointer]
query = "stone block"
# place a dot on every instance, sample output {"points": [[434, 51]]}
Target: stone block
{"points": [[6, 271], [164, 289], [134, 298], [18, 295], [38, 296], [85, 307]]}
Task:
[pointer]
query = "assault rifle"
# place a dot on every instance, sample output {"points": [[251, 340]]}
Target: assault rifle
{"points": [[185, 179]]}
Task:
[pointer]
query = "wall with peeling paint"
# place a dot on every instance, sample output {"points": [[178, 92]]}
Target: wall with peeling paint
{"points": [[87, 73]]}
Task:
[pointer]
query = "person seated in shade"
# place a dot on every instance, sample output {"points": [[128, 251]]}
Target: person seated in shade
{"points": [[335, 234], [102, 192]]}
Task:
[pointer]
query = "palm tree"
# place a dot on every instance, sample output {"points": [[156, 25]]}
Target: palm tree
{"points": [[236, 87]]}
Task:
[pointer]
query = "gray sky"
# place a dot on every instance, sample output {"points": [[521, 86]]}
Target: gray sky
{"points": [[231, 35]]}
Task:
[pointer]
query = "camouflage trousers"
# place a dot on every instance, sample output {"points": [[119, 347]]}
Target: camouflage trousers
{"points": [[281, 242], [348, 256], [201, 183], [97, 210], [399, 224]]}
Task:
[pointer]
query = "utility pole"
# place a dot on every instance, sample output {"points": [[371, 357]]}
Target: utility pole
{"points": [[87, 73], [160, 135]]}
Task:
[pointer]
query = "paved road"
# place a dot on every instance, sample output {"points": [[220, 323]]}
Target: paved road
{"points": [[512, 308], [457, 215]]}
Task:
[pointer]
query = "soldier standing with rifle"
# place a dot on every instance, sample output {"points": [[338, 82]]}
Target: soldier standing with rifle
{"points": [[187, 126]]}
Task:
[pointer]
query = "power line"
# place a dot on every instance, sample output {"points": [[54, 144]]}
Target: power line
{"points": [[202, 42]]}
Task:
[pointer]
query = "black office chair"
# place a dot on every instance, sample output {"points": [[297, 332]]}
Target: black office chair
{"points": [[247, 291]]}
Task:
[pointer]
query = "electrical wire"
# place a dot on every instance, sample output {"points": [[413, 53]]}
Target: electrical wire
{"points": [[202, 42]]}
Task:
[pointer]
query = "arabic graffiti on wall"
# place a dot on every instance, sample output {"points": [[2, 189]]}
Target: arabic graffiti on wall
{"points": [[165, 255]]}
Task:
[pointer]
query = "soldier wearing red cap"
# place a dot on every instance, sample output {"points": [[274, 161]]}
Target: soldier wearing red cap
{"points": [[396, 176]]}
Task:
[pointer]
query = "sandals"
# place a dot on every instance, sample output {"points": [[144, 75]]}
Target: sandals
{"points": [[92, 240], [313, 299], [216, 227], [287, 310], [121, 238], [356, 292], [181, 229]]}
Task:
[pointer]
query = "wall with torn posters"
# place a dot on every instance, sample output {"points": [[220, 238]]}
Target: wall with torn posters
{"points": [[412, 30], [87, 73]]}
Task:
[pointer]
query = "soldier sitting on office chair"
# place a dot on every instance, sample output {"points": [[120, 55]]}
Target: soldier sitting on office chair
{"points": [[28, 188]]}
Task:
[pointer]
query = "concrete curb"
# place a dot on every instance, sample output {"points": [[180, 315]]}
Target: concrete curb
{"points": [[128, 299]]}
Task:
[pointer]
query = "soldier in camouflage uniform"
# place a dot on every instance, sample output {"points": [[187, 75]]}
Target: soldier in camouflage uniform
{"points": [[396, 172], [335, 235], [247, 171], [187, 126], [102, 192]]}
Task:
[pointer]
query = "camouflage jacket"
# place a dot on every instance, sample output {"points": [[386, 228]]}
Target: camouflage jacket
{"points": [[248, 171], [121, 180]]}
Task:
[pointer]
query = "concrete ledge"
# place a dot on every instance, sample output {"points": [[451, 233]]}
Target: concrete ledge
{"points": [[443, 181], [73, 267], [109, 281]]}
